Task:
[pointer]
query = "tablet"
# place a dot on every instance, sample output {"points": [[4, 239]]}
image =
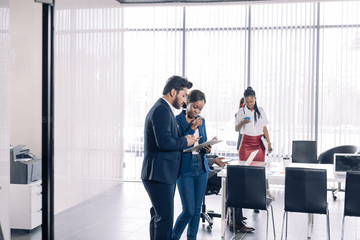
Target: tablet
{"points": [[200, 146]]}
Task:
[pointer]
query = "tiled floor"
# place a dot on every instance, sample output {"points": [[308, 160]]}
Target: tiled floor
{"points": [[123, 213]]}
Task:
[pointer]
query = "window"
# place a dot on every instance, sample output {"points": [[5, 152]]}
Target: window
{"points": [[301, 59], [296, 56], [339, 72]]}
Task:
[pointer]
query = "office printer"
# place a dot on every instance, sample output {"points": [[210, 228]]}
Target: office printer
{"points": [[25, 167]]}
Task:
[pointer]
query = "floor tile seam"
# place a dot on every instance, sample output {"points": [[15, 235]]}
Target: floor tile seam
{"points": [[82, 230], [137, 229], [72, 234], [76, 209], [89, 225], [88, 203]]}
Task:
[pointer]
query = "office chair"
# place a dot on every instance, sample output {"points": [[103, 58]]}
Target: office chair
{"points": [[327, 157], [213, 187], [246, 188], [304, 152], [305, 192], [352, 197]]}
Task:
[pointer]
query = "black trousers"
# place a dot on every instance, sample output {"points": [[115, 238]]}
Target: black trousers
{"points": [[162, 210], [238, 215]]}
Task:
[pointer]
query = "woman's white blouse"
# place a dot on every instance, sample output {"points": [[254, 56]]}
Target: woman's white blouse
{"points": [[196, 135], [252, 128]]}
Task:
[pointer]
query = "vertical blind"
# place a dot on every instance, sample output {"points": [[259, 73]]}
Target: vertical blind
{"points": [[216, 39], [89, 96], [152, 53], [300, 58], [339, 95], [283, 63], [89, 93]]}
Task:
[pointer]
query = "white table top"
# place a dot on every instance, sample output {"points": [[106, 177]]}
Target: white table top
{"points": [[275, 172]]}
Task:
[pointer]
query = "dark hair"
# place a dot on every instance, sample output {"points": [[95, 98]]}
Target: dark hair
{"points": [[178, 83], [195, 95], [249, 92], [242, 101]]}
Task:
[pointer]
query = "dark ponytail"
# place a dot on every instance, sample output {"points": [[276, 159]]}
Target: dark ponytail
{"points": [[249, 92]]}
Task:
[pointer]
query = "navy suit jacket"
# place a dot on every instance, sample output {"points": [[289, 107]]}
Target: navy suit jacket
{"points": [[163, 145]]}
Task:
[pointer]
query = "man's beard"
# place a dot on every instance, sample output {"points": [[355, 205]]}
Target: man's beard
{"points": [[176, 104]]}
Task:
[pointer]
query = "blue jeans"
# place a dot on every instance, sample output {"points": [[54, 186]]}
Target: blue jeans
{"points": [[192, 186]]}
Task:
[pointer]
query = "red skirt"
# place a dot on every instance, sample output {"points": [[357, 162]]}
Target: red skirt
{"points": [[250, 144]]}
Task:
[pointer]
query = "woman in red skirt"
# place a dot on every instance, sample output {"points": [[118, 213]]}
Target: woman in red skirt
{"points": [[251, 120]]}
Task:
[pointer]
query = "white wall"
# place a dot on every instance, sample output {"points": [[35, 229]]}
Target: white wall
{"points": [[4, 120], [25, 74]]}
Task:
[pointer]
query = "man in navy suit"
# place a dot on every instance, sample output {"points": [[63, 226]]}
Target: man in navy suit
{"points": [[163, 147]]}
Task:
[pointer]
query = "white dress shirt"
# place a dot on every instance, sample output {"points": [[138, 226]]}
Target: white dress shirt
{"points": [[174, 110], [252, 128], [196, 135]]}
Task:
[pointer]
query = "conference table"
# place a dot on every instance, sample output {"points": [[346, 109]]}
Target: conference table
{"points": [[275, 173]]}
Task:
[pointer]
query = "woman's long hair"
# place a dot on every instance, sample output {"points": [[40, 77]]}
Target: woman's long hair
{"points": [[249, 92]]}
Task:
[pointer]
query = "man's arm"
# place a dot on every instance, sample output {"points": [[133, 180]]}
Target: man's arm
{"points": [[163, 130], [219, 161]]}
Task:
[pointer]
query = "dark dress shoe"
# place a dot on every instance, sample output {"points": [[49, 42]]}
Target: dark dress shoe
{"points": [[245, 229], [241, 227]]}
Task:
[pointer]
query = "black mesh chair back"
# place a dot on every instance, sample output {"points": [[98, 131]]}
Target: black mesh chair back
{"points": [[304, 152], [352, 194], [305, 192], [327, 157], [246, 188], [352, 197]]}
